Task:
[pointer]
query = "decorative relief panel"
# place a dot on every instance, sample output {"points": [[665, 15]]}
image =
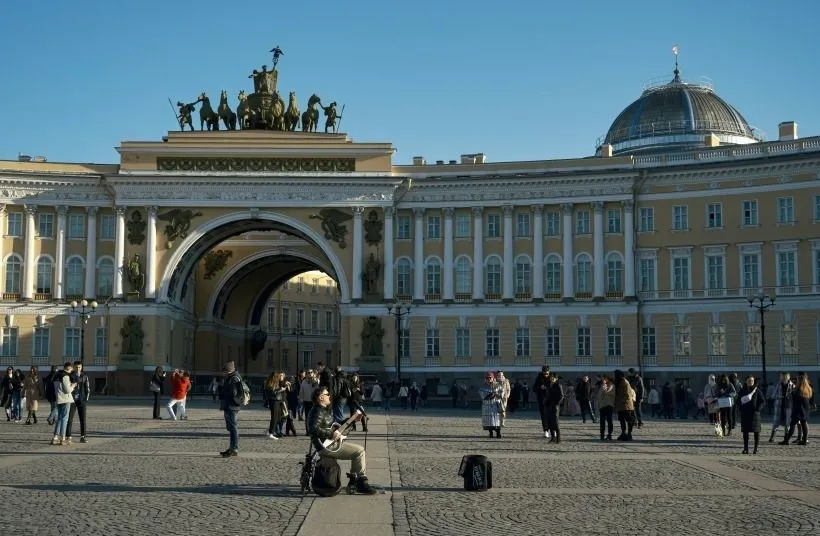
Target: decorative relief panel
{"points": [[256, 164]]}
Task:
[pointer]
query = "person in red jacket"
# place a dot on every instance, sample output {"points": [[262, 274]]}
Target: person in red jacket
{"points": [[180, 383]]}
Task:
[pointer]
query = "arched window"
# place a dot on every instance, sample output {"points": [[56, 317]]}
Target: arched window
{"points": [[523, 275], [494, 271], [45, 275], [105, 278], [552, 275], [75, 273], [614, 272], [583, 273], [464, 276], [432, 272], [404, 278], [13, 274]]}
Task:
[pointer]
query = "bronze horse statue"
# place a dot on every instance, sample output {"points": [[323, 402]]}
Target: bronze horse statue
{"points": [[276, 119], [225, 113], [292, 113], [207, 114], [310, 117], [244, 112]]}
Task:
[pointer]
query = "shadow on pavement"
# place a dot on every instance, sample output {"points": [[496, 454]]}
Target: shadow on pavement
{"points": [[255, 491]]}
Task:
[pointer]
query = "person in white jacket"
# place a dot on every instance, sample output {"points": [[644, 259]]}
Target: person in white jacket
{"points": [[63, 390], [376, 395]]}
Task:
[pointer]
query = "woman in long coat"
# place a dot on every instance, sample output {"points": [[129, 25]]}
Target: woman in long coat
{"points": [[751, 402], [491, 393], [33, 392]]}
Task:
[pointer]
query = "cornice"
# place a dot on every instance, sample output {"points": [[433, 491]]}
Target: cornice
{"points": [[722, 172], [70, 192]]}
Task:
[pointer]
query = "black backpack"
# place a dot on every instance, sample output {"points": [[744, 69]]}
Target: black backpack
{"points": [[326, 480]]}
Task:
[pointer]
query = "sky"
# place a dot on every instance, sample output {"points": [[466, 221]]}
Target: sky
{"points": [[517, 80]]}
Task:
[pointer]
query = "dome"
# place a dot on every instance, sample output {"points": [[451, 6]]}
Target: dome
{"points": [[677, 115]]}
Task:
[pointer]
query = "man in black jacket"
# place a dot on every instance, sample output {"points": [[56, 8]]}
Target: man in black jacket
{"points": [[231, 397], [636, 382], [51, 395], [319, 424], [552, 401], [81, 395], [584, 395], [540, 387]]}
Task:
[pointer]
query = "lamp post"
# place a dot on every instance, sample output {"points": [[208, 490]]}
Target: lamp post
{"points": [[399, 311], [84, 310], [298, 332], [761, 303]]}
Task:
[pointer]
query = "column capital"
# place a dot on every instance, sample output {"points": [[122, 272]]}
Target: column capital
{"points": [[628, 205], [598, 207], [507, 210], [62, 210], [120, 210], [566, 208], [389, 212], [537, 209], [2, 208], [418, 212], [92, 211], [358, 211], [478, 211], [449, 212], [31, 210], [152, 210]]}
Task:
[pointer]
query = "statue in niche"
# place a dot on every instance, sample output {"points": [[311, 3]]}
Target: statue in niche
{"points": [[136, 276], [372, 334], [370, 276], [136, 229], [373, 229], [132, 335]]}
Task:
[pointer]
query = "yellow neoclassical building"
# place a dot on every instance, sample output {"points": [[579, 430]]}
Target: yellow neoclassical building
{"points": [[204, 246]]}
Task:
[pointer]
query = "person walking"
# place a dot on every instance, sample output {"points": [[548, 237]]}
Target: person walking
{"points": [[636, 382], [624, 405], [540, 387], [80, 395], [584, 394], [553, 400], [782, 411], [33, 390], [491, 393], [606, 405], [157, 387], [231, 398], [801, 406], [50, 394]]}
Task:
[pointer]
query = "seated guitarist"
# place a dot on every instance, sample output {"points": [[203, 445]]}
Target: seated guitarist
{"points": [[319, 424]]}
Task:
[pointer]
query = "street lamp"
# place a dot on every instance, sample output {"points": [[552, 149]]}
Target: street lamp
{"points": [[761, 303], [84, 310], [399, 311], [298, 332]]}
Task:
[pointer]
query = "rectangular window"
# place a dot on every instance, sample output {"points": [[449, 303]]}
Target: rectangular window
{"points": [[285, 355], [552, 342], [404, 343], [715, 269], [328, 357], [647, 275], [750, 213], [72, 342], [786, 268], [100, 342], [329, 322], [463, 226], [649, 342], [714, 216], [492, 343], [41, 342], [493, 226], [785, 210], [680, 273], [646, 220], [717, 339], [15, 224], [583, 342], [314, 319], [613, 341], [108, 227], [522, 342], [680, 217], [613, 221], [434, 227], [9, 343], [300, 284], [817, 208], [315, 286], [683, 345], [271, 318], [300, 318], [432, 343], [76, 226], [45, 225], [582, 225], [462, 342], [285, 318], [403, 228], [751, 270], [307, 359], [523, 225], [553, 223]]}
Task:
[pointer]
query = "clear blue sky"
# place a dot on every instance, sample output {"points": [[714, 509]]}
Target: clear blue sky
{"points": [[518, 80]]}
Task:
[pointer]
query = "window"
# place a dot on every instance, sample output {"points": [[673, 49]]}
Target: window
{"points": [[329, 325], [682, 341], [328, 357], [553, 223], [786, 268], [45, 225], [9, 342], [105, 278], [300, 284], [552, 342], [314, 319], [75, 272], [72, 342], [492, 343], [583, 342], [523, 225], [785, 210], [404, 343], [462, 226], [494, 271], [680, 273], [100, 342], [750, 213], [432, 343], [649, 342], [300, 318], [646, 220], [271, 318], [41, 343], [285, 318], [434, 227], [715, 272], [464, 276], [404, 280], [552, 275], [522, 342], [613, 221], [680, 218], [307, 359], [614, 273], [613, 341], [315, 286], [714, 216], [15, 224], [523, 275], [583, 273], [817, 208], [403, 228], [462, 342], [108, 227], [817, 265], [646, 267], [717, 339], [45, 275], [788, 336], [493, 226], [13, 274], [433, 276], [76, 226], [750, 264], [285, 355], [582, 222]]}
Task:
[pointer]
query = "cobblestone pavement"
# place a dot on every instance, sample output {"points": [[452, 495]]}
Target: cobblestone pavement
{"points": [[139, 476]]}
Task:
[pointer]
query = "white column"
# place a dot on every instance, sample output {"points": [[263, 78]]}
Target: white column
{"points": [[418, 255], [119, 251], [358, 249], [566, 230], [478, 253], [448, 254], [388, 253], [629, 250], [59, 268], [538, 252], [151, 256], [3, 231], [598, 249], [27, 292], [508, 253], [91, 255]]}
